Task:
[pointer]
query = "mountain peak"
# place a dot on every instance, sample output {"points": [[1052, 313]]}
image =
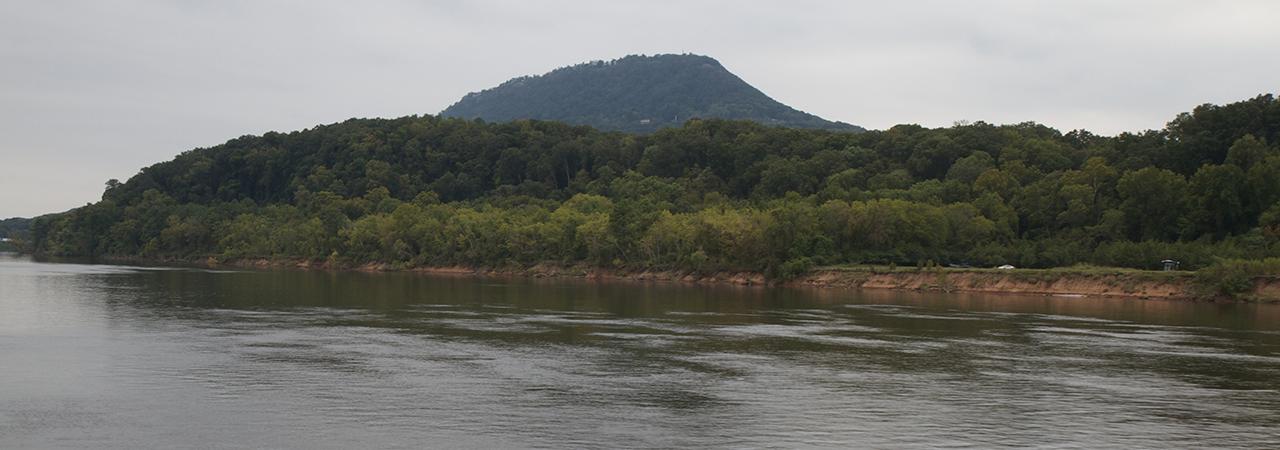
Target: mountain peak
{"points": [[635, 93]]}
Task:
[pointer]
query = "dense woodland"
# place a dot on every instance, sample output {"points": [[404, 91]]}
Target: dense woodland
{"points": [[711, 195], [14, 227], [635, 94]]}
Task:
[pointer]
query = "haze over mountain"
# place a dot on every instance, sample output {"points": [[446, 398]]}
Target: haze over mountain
{"points": [[636, 94]]}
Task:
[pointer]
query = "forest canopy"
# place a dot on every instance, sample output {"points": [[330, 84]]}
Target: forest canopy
{"points": [[709, 195]]}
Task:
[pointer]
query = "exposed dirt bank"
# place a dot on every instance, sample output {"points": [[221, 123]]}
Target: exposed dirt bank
{"points": [[1092, 282], [1045, 282]]}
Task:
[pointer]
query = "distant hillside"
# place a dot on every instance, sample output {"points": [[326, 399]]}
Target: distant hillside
{"points": [[10, 228], [711, 195], [635, 94], [13, 229]]}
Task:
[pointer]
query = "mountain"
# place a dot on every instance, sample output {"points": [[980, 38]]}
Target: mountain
{"points": [[13, 227], [635, 94]]}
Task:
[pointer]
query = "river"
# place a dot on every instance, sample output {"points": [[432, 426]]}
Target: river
{"points": [[103, 356]]}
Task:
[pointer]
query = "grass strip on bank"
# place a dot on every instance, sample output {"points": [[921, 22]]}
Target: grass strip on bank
{"points": [[1225, 279]]}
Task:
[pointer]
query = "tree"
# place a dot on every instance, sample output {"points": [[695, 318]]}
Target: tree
{"points": [[997, 182], [1248, 151], [967, 169], [1153, 202], [1217, 203], [111, 185], [1264, 185]]}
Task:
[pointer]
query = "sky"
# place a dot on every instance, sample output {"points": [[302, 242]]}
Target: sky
{"points": [[92, 90]]}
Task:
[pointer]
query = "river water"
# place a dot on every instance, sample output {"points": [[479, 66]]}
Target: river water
{"points": [[125, 357]]}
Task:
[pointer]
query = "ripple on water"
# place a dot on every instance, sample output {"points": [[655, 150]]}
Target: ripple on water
{"points": [[108, 357]]}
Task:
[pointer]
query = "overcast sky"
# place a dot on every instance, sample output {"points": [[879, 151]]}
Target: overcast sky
{"points": [[95, 90]]}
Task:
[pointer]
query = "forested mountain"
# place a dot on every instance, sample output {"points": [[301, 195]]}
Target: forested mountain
{"points": [[711, 194], [635, 94], [13, 227]]}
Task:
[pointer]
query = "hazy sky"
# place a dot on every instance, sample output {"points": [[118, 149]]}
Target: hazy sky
{"points": [[95, 90]]}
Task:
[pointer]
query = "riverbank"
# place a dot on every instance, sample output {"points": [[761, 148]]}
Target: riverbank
{"points": [[1067, 282], [1082, 281]]}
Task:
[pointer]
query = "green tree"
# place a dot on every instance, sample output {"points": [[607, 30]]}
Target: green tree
{"points": [[1153, 202], [1217, 201]]}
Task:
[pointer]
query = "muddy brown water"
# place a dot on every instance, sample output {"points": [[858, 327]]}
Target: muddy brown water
{"points": [[103, 356]]}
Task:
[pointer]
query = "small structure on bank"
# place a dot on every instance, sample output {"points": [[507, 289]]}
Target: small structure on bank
{"points": [[1170, 264]]}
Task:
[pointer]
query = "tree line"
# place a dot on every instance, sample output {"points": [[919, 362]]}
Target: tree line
{"points": [[710, 195]]}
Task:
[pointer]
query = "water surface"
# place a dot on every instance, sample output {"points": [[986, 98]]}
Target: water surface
{"points": [[126, 357]]}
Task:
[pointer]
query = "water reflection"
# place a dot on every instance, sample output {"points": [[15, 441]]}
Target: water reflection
{"points": [[106, 356]]}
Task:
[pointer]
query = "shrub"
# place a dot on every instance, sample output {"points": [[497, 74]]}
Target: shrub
{"points": [[1233, 278], [794, 268]]}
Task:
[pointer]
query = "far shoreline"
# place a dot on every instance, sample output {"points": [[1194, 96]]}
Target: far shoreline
{"points": [[1081, 281]]}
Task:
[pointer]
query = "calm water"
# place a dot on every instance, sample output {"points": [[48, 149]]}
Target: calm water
{"points": [[122, 357]]}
